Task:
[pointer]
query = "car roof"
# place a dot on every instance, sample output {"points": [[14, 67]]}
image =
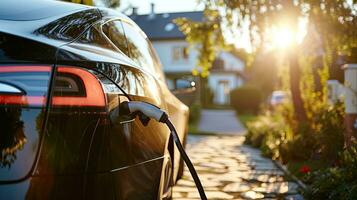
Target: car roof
{"points": [[28, 10]]}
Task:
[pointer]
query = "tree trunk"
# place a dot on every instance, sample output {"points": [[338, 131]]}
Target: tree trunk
{"points": [[295, 76]]}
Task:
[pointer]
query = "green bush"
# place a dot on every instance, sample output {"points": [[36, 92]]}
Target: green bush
{"points": [[195, 113], [207, 96], [246, 99], [276, 134], [329, 130], [269, 133], [337, 182]]}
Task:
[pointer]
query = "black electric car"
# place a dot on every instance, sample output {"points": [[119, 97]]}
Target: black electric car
{"points": [[64, 72]]}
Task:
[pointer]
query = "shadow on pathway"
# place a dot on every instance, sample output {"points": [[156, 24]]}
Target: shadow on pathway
{"points": [[229, 169]]}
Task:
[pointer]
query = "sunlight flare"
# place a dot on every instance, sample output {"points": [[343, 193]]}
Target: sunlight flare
{"points": [[282, 37]]}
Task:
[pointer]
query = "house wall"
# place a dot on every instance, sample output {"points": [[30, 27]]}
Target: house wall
{"points": [[231, 62], [222, 84], [165, 50]]}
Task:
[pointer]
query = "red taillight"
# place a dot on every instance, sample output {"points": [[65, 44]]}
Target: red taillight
{"points": [[22, 100], [4, 69], [93, 94], [28, 85]]}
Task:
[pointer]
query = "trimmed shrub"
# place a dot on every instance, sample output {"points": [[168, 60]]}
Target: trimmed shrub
{"points": [[207, 96], [195, 113], [246, 99]]}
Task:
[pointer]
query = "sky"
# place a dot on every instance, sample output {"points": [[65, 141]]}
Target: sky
{"points": [[240, 38], [161, 6], [166, 6]]}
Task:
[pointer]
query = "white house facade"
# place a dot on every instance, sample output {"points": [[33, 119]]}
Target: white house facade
{"points": [[178, 60]]}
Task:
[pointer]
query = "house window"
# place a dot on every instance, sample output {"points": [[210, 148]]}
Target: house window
{"points": [[179, 54]]}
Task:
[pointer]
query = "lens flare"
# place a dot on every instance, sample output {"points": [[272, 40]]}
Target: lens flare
{"points": [[282, 37]]}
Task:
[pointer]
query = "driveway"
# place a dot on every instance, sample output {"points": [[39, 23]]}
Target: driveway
{"points": [[220, 122], [229, 169]]}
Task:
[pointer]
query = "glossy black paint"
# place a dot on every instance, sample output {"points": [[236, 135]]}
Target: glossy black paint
{"points": [[15, 49], [31, 10], [85, 153]]}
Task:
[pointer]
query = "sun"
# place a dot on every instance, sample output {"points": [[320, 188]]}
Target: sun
{"points": [[282, 37]]}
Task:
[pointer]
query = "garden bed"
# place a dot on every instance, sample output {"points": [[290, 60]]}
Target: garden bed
{"points": [[313, 152]]}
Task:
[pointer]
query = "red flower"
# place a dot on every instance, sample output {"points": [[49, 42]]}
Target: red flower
{"points": [[304, 169]]}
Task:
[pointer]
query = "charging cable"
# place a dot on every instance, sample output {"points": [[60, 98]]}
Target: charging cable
{"points": [[147, 111], [153, 112]]}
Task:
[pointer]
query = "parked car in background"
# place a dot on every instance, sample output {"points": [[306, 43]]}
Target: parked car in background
{"points": [[61, 136], [278, 97]]}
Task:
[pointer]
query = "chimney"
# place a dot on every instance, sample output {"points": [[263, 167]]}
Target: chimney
{"points": [[134, 11], [152, 13], [152, 9]]}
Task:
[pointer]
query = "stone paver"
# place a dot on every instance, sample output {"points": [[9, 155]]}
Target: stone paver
{"points": [[220, 122], [229, 169]]}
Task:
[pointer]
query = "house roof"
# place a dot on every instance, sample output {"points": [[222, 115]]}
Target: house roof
{"points": [[160, 26]]}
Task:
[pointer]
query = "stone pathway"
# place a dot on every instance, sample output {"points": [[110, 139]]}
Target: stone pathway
{"points": [[220, 122], [229, 169]]}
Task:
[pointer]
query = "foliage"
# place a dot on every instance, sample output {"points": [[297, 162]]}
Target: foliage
{"points": [[275, 133], [246, 118], [296, 167], [194, 118], [205, 37], [207, 96], [319, 145], [111, 3], [264, 72], [338, 182], [335, 22], [195, 113], [85, 2], [246, 99], [269, 132]]}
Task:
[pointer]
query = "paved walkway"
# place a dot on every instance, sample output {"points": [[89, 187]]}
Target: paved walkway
{"points": [[220, 122], [229, 169]]}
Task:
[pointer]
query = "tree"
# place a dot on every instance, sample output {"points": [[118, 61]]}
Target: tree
{"points": [[85, 2], [335, 21], [111, 3], [206, 37]]}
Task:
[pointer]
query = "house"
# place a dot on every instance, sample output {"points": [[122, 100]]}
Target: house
{"points": [[178, 61]]}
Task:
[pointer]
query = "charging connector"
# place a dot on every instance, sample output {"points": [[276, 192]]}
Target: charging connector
{"points": [[153, 112], [147, 109]]}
